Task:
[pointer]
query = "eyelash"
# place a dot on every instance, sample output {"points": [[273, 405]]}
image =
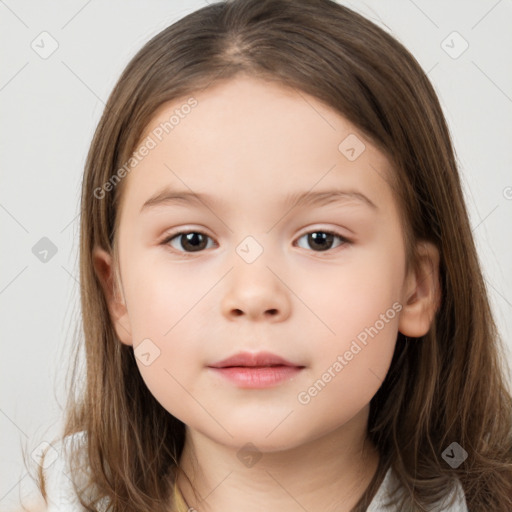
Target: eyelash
{"points": [[344, 241]]}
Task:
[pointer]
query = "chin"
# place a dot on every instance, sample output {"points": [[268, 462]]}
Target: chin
{"points": [[265, 437]]}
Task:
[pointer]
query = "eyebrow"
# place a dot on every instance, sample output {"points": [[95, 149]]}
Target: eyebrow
{"points": [[169, 196]]}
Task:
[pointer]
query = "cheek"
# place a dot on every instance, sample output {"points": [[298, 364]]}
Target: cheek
{"points": [[162, 308], [350, 365], [359, 307], [353, 294], [163, 298]]}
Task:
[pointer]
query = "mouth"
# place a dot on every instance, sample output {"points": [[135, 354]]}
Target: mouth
{"points": [[254, 360], [260, 370]]}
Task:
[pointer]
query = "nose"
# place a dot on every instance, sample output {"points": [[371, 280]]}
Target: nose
{"points": [[256, 291]]}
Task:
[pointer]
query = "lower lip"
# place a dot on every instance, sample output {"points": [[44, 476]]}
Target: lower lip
{"points": [[258, 377]]}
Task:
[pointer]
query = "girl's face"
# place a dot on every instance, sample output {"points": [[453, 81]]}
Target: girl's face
{"points": [[260, 270]]}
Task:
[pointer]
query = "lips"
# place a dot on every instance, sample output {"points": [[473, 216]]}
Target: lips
{"points": [[259, 359], [256, 371]]}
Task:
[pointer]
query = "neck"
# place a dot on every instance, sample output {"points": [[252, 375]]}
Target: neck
{"points": [[329, 473]]}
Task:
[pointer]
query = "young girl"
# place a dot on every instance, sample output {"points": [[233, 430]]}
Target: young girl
{"points": [[282, 303]]}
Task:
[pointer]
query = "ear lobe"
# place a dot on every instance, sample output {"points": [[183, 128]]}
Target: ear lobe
{"points": [[422, 294], [103, 266]]}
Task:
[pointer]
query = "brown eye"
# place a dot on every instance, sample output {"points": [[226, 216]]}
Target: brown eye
{"points": [[321, 241], [189, 241]]}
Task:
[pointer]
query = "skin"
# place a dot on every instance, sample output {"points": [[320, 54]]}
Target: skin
{"points": [[249, 143]]}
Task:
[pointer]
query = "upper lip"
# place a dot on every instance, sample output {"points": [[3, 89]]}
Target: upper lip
{"points": [[253, 359]]}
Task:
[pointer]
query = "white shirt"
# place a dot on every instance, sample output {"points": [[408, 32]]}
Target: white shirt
{"points": [[389, 483], [62, 498]]}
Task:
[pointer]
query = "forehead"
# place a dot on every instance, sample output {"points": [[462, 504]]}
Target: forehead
{"points": [[250, 139]]}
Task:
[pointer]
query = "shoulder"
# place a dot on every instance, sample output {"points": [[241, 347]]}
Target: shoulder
{"points": [[454, 502], [59, 486]]}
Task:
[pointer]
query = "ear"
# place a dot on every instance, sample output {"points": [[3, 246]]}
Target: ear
{"points": [[103, 265], [422, 293]]}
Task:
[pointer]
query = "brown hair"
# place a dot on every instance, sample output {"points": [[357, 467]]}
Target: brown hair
{"points": [[448, 386]]}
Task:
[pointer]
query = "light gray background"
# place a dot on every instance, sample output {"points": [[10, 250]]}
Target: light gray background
{"points": [[50, 107]]}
